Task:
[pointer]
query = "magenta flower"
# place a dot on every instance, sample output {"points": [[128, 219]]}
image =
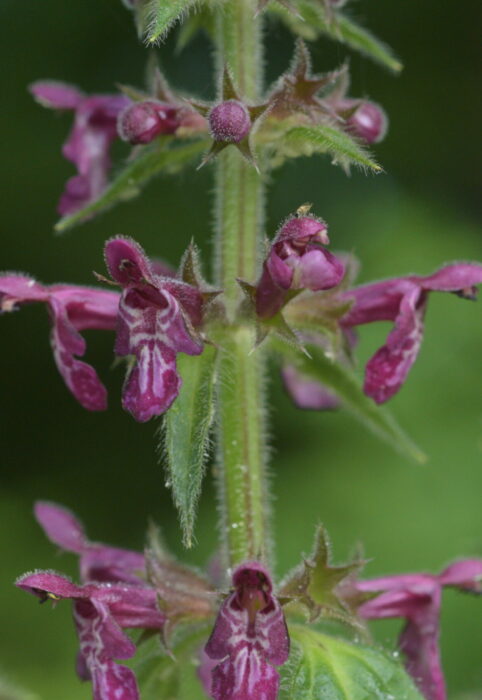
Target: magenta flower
{"points": [[101, 613], [72, 309], [121, 590], [155, 316], [158, 317], [97, 561], [88, 144], [297, 260], [417, 598], [249, 639], [403, 300], [115, 596]]}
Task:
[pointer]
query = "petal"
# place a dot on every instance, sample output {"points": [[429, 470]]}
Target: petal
{"points": [[18, 289], [99, 632], [133, 606], [97, 562], [56, 95], [453, 278], [419, 642], [306, 392], [465, 574], [61, 526], [46, 584], [303, 229], [88, 307], [318, 269], [80, 378], [387, 370], [101, 640], [76, 195], [112, 681], [379, 301], [225, 628], [396, 603], [280, 271], [126, 261], [205, 670], [81, 668], [111, 565], [153, 384], [188, 296], [247, 676]]}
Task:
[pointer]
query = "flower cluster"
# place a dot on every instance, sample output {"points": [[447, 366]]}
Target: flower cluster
{"points": [[138, 118], [157, 315], [122, 589]]}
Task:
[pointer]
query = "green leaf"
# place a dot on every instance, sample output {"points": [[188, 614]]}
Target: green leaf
{"points": [[136, 173], [163, 676], [339, 28], [322, 138], [186, 434], [362, 40], [156, 17], [325, 667], [342, 382]]}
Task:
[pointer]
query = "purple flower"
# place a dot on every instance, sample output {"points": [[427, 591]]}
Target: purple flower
{"points": [[249, 639], [101, 613], [158, 317], [88, 144], [404, 301], [72, 309], [417, 598], [97, 561], [297, 260], [141, 122]]}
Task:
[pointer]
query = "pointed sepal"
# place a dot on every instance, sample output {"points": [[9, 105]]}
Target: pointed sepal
{"points": [[314, 583]]}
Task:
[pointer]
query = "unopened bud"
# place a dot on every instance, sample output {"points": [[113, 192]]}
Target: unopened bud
{"points": [[297, 260], [229, 121], [141, 122], [368, 122]]}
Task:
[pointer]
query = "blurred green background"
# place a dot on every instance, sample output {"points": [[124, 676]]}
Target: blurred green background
{"points": [[324, 466]]}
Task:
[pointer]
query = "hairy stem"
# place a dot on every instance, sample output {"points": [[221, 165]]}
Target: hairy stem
{"points": [[239, 196]]}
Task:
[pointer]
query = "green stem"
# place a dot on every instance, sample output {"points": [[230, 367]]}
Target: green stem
{"points": [[239, 197]]}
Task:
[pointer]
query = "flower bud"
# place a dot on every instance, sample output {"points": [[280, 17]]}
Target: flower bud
{"points": [[297, 260], [368, 122], [141, 122], [229, 121]]}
